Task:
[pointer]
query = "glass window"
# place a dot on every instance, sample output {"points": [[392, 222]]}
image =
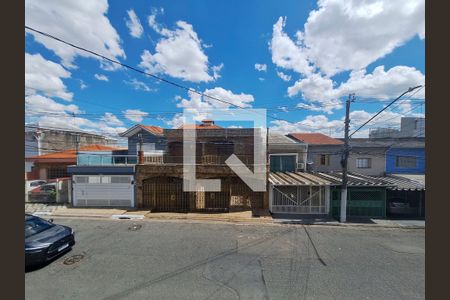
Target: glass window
{"points": [[35, 225], [406, 162], [283, 163], [324, 159], [363, 163], [57, 172]]}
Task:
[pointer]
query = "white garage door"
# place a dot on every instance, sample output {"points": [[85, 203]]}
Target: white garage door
{"points": [[103, 190]]}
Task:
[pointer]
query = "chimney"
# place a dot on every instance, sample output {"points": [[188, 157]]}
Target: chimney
{"points": [[207, 122]]}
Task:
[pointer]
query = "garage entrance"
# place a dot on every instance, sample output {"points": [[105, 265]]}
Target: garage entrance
{"points": [[165, 194], [103, 190]]}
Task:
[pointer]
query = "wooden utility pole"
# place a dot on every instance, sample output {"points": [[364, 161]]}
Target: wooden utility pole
{"points": [[344, 160]]}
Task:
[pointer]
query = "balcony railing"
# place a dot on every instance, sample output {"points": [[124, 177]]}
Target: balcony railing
{"points": [[106, 160], [152, 159]]}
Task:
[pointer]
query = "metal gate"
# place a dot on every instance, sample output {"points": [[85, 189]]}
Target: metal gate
{"points": [[299, 199], [165, 194]]}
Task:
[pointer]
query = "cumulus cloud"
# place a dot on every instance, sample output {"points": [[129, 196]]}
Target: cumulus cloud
{"points": [[134, 24], [287, 54], [138, 85], [197, 101], [81, 22], [101, 77], [261, 67], [379, 84], [348, 36], [111, 119], [44, 76], [283, 76], [179, 54], [38, 104], [135, 115]]}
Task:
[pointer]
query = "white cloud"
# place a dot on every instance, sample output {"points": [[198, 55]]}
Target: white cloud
{"points": [[318, 123], [83, 85], [111, 119], [133, 24], [101, 77], [135, 115], [197, 101], [379, 84], [283, 76], [261, 79], [285, 53], [44, 76], [138, 85], [350, 35], [261, 67], [38, 105], [216, 70], [82, 22], [178, 53]]}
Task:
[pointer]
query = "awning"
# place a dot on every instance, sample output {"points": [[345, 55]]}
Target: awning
{"points": [[354, 179], [296, 178], [406, 182]]}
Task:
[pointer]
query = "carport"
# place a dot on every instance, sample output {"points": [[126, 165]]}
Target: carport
{"points": [[406, 196], [298, 193]]}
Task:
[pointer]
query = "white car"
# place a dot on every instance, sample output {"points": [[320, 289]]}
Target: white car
{"points": [[32, 184]]}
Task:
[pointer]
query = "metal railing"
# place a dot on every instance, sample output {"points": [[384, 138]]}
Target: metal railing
{"points": [[154, 159], [106, 160]]}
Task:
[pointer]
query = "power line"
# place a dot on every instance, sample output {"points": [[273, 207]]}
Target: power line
{"points": [[384, 108]]}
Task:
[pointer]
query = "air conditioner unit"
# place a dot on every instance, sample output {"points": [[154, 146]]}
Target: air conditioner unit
{"points": [[300, 166]]}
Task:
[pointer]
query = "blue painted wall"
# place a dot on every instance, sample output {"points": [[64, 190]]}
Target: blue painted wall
{"points": [[392, 154]]}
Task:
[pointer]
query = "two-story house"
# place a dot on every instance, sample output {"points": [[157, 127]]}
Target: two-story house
{"points": [[106, 178], [324, 152], [159, 184]]}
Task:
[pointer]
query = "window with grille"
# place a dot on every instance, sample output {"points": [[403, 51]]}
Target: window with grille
{"points": [[406, 162], [57, 172], [363, 163]]}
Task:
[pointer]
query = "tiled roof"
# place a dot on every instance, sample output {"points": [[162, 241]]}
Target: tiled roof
{"points": [[154, 129], [315, 139], [71, 153]]}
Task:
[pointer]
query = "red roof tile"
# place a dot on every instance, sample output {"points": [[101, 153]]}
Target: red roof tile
{"points": [[71, 153], [199, 126], [315, 139], [154, 129]]}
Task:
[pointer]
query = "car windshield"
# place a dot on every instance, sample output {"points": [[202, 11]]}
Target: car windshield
{"points": [[35, 225]]}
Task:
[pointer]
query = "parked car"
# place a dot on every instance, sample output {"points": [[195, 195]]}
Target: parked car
{"points": [[45, 240], [399, 206], [32, 184], [47, 187]]}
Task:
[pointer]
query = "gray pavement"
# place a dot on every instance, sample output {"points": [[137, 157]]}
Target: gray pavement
{"points": [[182, 260]]}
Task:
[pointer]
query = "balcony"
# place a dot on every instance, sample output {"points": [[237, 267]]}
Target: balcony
{"points": [[106, 160], [154, 159]]}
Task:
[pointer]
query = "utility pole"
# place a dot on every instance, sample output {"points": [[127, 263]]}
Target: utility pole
{"points": [[77, 145], [351, 98]]}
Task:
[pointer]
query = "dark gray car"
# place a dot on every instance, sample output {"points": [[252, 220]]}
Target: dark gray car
{"points": [[45, 240]]}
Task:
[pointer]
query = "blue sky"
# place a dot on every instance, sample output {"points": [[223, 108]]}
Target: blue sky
{"points": [[298, 59]]}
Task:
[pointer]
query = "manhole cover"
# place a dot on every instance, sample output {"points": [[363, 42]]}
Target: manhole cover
{"points": [[73, 259], [135, 227]]}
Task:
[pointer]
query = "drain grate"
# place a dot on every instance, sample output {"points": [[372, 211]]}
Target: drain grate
{"points": [[135, 227], [73, 259]]}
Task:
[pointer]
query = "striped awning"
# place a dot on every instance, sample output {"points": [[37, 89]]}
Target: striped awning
{"points": [[354, 179]]}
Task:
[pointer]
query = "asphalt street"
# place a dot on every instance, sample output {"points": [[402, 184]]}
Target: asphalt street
{"points": [[113, 259]]}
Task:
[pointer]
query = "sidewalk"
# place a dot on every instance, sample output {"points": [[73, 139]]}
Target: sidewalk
{"points": [[231, 217]]}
